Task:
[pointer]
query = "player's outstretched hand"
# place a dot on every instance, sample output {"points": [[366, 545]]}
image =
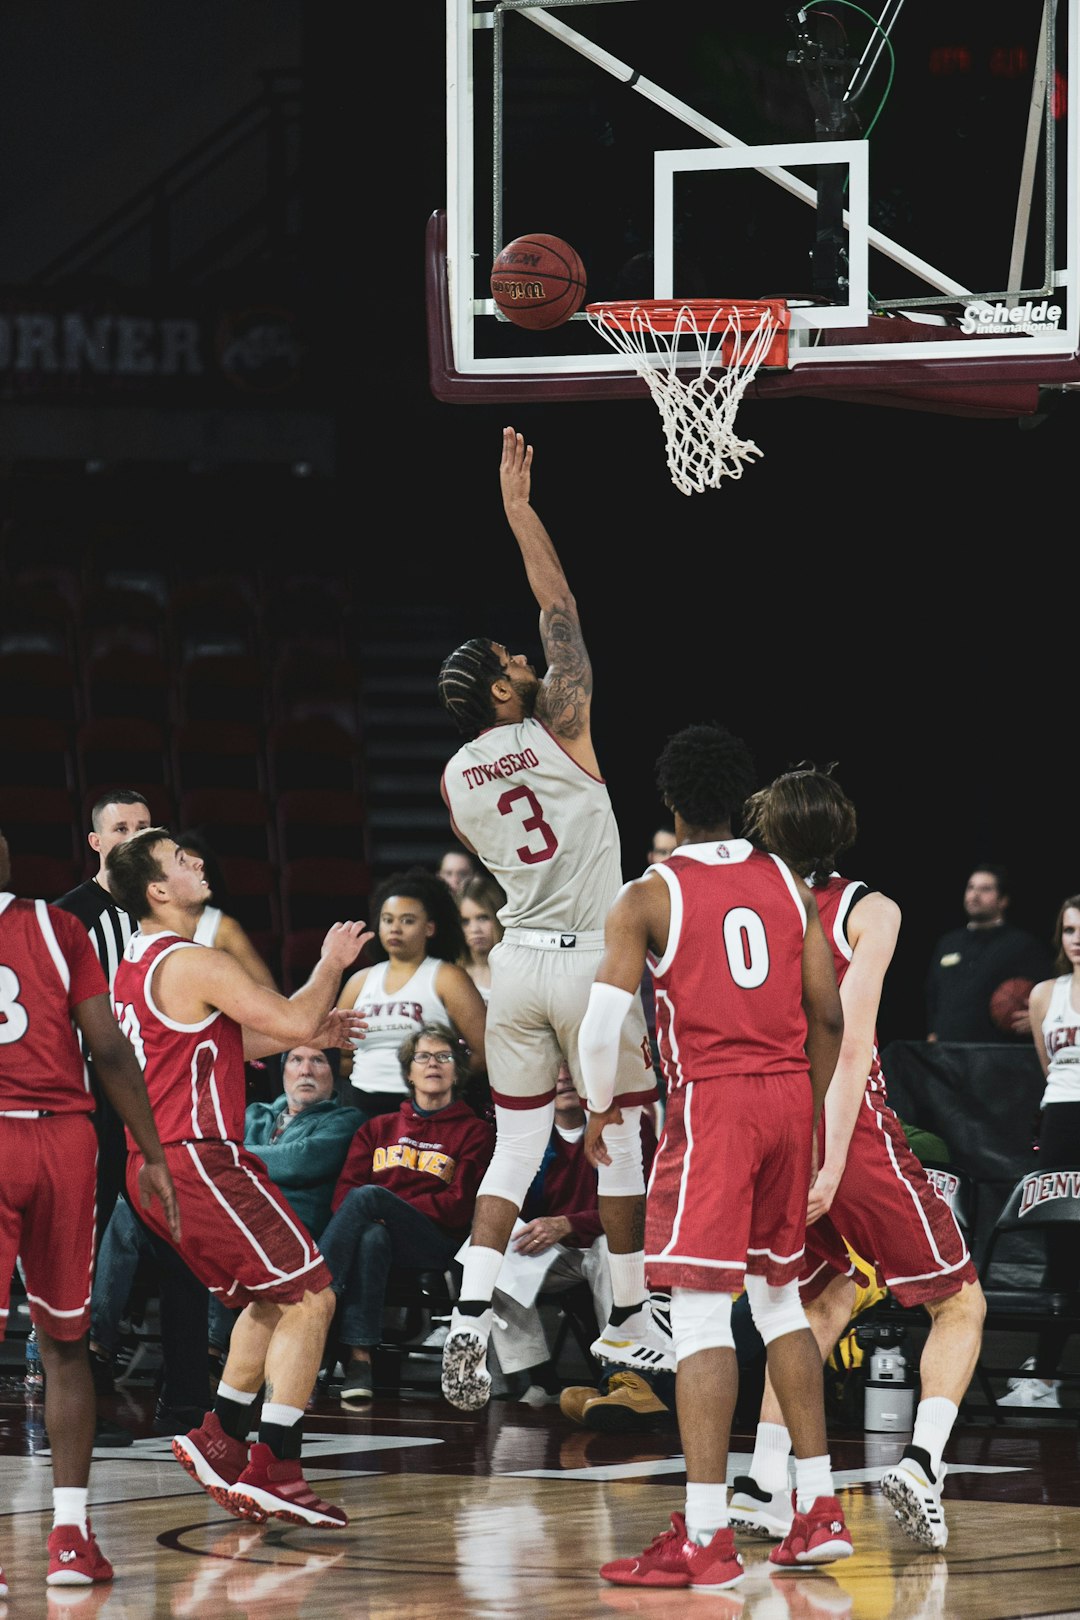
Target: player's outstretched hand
{"points": [[515, 469], [595, 1147], [344, 941], [342, 1027], [156, 1182]]}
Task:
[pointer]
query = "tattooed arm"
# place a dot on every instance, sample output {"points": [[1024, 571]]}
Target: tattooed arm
{"points": [[565, 698]]}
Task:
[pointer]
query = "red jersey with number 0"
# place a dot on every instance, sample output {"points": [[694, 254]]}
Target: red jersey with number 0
{"points": [[728, 987], [194, 1072], [47, 967]]}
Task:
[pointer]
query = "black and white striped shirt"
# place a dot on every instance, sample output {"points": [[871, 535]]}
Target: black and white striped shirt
{"points": [[109, 926]]}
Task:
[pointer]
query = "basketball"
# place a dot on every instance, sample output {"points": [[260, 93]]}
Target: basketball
{"points": [[538, 281], [1007, 1000]]}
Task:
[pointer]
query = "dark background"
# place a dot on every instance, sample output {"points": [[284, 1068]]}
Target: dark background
{"points": [[887, 589]]}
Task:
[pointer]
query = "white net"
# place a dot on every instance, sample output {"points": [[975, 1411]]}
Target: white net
{"points": [[720, 351]]}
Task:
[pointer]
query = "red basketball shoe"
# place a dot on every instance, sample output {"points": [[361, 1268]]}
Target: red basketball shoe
{"points": [[674, 1560], [75, 1559], [275, 1487], [212, 1457], [817, 1537]]}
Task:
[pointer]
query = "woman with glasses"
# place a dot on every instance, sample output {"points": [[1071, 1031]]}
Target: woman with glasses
{"points": [[405, 1194]]}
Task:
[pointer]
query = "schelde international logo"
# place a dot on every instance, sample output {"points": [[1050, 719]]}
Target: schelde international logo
{"points": [[983, 319], [1047, 1186]]}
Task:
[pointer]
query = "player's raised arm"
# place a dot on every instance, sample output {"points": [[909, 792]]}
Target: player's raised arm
{"points": [[565, 698]]}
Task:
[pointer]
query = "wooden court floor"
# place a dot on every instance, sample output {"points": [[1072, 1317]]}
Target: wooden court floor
{"points": [[509, 1514]]}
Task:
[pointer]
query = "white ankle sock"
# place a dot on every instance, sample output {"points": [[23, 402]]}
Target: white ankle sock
{"points": [[934, 1419], [706, 1511], [769, 1468], [479, 1272], [627, 1273], [69, 1506], [813, 1478]]}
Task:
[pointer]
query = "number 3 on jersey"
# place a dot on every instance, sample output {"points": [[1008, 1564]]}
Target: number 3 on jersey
{"points": [[13, 1017], [533, 823]]}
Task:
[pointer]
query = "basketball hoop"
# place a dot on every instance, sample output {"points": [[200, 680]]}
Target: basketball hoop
{"points": [[732, 339]]}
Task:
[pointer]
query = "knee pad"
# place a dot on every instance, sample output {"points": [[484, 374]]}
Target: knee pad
{"points": [[776, 1311], [521, 1135], [624, 1176], [700, 1321]]}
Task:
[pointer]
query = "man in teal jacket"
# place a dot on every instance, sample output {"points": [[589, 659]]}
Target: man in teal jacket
{"points": [[302, 1138]]}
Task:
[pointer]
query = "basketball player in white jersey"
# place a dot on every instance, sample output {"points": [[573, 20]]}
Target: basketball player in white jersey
{"points": [[525, 794]]}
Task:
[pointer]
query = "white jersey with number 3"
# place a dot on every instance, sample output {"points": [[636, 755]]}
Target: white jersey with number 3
{"points": [[540, 823]]}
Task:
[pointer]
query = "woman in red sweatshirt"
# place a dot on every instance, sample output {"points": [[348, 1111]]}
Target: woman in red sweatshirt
{"points": [[406, 1192]]}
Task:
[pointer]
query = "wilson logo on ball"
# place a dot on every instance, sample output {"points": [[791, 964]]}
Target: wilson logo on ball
{"points": [[538, 281]]}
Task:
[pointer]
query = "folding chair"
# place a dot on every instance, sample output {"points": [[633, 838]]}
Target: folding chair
{"points": [[317, 891], [40, 821], [217, 754], [323, 821], [120, 749], [316, 752], [37, 751], [1018, 1298], [234, 821]]}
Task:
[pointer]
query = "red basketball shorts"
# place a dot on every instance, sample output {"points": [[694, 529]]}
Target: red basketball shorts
{"points": [[48, 1204], [727, 1193], [238, 1234], [891, 1214]]}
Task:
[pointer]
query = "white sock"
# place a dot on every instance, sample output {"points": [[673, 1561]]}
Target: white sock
{"points": [[706, 1511], [480, 1272], [69, 1506], [283, 1416], [627, 1272], [813, 1478], [242, 1397], [769, 1468], [934, 1419]]}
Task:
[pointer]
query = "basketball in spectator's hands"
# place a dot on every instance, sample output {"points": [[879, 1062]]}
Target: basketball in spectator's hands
{"points": [[1008, 1001]]}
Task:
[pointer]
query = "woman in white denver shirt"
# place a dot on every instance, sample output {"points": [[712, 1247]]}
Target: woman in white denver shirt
{"points": [[418, 981], [1054, 1008]]}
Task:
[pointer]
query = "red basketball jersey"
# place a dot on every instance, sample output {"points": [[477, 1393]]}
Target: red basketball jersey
{"points": [[47, 967], [835, 898], [194, 1072], [729, 985]]}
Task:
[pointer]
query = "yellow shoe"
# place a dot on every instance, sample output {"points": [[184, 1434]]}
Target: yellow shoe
{"points": [[572, 1401], [630, 1404]]}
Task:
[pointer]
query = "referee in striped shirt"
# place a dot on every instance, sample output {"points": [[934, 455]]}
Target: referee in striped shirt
{"points": [[115, 816]]}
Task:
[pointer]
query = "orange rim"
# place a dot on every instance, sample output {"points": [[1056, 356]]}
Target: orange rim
{"points": [[663, 313]]}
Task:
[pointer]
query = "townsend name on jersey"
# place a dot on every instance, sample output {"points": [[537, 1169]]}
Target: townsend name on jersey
{"points": [[475, 776], [1046, 1186]]}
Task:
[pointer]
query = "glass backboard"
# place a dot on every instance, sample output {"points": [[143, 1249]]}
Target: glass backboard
{"points": [[906, 177]]}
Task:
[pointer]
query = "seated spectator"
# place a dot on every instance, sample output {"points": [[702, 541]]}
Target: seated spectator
{"points": [[302, 1137], [405, 1194], [562, 1226]]}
